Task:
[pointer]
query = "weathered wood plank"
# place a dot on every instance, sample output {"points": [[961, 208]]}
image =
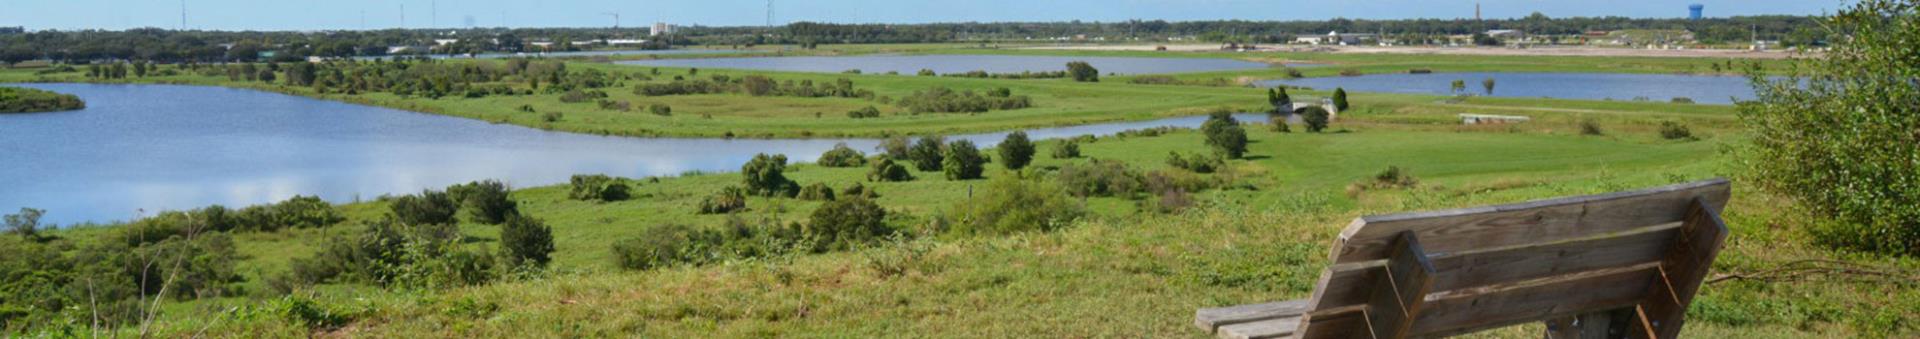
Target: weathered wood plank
{"points": [[1476, 269], [1683, 270], [1399, 295], [1370, 238], [1269, 328], [1210, 319], [1584, 293], [1337, 324]]}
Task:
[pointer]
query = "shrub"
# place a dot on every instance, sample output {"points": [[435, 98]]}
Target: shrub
{"points": [[1682, 100], [429, 207], [845, 223], [486, 202], [1839, 136], [665, 245], [1099, 178], [1340, 99], [576, 95], [863, 113], [886, 170], [927, 153], [611, 105], [1010, 204], [1196, 162], [963, 161], [1589, 127], [946, 100], [296, 212], [1393, 177], [1016, 152], [25, 224], [896, 147], [1066, 149], [551, 116], [1279, 124], [1225, 135], [1315, 118], [858, 190], [660, 109], [598, 187], [1083, 71], [926, 72], [1673, 130], [765, 176], [816, 192], [1350, 72], [526, 242], [727, 200], [843, 156]]}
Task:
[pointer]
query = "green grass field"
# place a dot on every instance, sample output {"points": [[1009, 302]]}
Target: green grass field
{"points": [[1118, 272]]}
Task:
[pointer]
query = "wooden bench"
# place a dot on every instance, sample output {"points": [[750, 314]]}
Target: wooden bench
{"points": [[1613, 265]]}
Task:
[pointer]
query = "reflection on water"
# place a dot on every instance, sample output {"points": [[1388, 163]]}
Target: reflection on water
{"points": [[159, 147], [944, 64], [1705, 89]]}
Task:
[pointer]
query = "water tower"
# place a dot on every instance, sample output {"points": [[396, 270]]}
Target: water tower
{"points": [[1693, 11]]}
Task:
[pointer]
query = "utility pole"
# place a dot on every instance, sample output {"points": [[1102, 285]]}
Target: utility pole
{"points": [[183, 15], [403, 16], [433, 14], [616, 19], [769, 14]]}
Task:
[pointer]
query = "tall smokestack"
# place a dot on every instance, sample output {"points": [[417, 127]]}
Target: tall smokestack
{"points": [[1476, 11]]}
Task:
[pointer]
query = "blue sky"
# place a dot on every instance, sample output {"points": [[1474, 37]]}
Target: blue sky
{"points": [[347, 14]]}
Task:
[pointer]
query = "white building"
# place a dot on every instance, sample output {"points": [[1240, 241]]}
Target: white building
{"points": [[660, 28], [1335, 38]]}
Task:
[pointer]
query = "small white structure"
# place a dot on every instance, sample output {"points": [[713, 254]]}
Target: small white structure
{"points": [[622, 42], [661, 28], [444, 42], [1489, 119]]}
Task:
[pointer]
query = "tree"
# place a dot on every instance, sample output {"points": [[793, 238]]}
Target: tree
{"points": [[842, 156], [1488, 85], [764, 176], [526, 242], [1315, 117], [1458, 86], [1016, 152], [1083, 71], [1340, 99], [963, 161], [428, 208], [887, 170], [927, 153], [486, 201], [25, 224], [1225, 135], [896, 147], [1838, 135], [1066, 149], [1279, 99]]}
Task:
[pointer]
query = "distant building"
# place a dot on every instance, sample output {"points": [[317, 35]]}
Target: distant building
{"points": [[661, 28], [1506, 33], [1693, 11], [1335, 38], [621, 42], [444, 42], [1485, 119]]}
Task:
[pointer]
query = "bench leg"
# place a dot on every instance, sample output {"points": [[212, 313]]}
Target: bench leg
{"points": [[1597, 325]]}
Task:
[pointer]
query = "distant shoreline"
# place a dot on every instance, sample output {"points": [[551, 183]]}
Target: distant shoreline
{"points": [[1501, 51]]}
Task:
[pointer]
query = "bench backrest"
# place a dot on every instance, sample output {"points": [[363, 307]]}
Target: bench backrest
{"points": [[1430, 274]]}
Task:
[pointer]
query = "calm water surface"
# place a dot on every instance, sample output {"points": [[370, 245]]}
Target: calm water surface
{"points": [[944, 64], [1705, 89], [138, 149]]}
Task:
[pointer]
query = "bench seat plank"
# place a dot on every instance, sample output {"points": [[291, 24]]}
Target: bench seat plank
{"points": [[1263, 329], [1211, 319]]}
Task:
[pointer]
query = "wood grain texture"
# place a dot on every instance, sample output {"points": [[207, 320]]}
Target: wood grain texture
{"points": [[1478, 269], [1211, 319], [1537, 302], [1399, 295], [1683, 270]]}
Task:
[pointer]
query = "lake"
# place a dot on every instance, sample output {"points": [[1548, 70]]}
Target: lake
{"points": [[1705, 89], [586, 53], [138, 149], [944, 64]]}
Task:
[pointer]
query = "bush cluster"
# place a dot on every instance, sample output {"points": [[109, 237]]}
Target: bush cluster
{"points": [[1066, 149], [727, 200], [765, 176], [927, 153], [598, 187], [963, 161], [886, 170], [1224, 134], [1009, 204], [22, 100], [843, 156], [946, 100], [1672, 130], [863, 113], [1196, 162], [754, 85]]}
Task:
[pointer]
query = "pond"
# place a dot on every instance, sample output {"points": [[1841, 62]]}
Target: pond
{"points": [[139, 149], [589, 53], [944, 64], [1705, 89]]}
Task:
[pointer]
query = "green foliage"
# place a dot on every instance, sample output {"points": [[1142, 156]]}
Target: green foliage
{"points": [[1279, 124], [1839, 135], [1066, 149], [1100, 178], [886, 170], [963, 161], [863, 113], [1315, 117], [927, 153], [1224, 134], [727, 200], [25, 224], [845, 223], [428, 207], [25, 100], [1279, 98], [765, 176], [1010, 204], [1016, 152], [598, 187], [946, 100], [1673, 130], [925, 72], [309, 314], [843, 156], [1340, 99], [666, 245], [1083, 71], [485, 201], [1590, 127], [816, 192], [897, 147], [386, 253], [660, 110], [1457, 86], [1196, 162], [526, 242], [858, 190]]}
